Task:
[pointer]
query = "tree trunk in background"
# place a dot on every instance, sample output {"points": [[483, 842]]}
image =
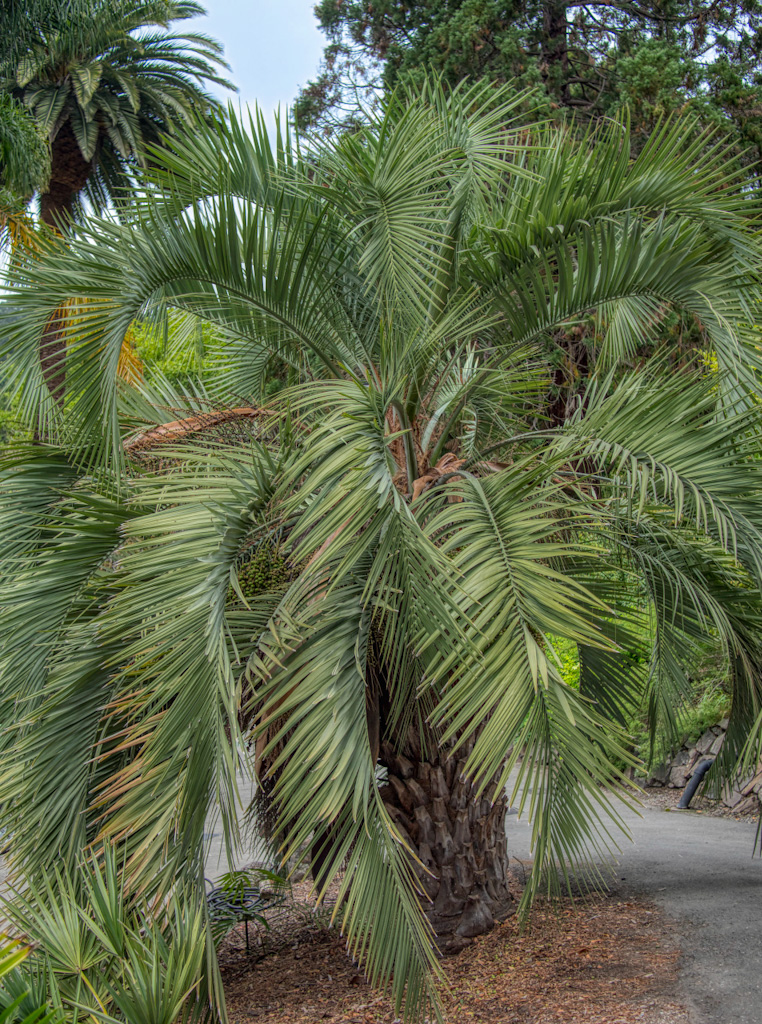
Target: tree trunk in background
{"points": [[555, 49], [461, 840], [571, 376], [69, 173]]}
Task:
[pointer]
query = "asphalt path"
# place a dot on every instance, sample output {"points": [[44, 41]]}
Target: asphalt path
{"points": [[701, 871]]}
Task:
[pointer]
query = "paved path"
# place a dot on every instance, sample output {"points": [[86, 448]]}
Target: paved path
{"points": [[216, 860], [700, 870]]}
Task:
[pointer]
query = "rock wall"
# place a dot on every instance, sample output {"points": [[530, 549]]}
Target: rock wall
{"points": [[744, 797]]}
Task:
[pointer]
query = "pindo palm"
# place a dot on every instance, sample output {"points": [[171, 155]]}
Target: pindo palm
{"points": [[434, 534]]}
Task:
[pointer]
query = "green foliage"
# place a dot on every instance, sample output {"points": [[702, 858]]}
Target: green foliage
{"points": [[173, 349], [652, 80], [708, 701], [12, 429], [190, 353], [24, 155], [568, 657], [712, 705], [104, 82], [444, 531], [587, 60], [97, 952], [20, 1004]]}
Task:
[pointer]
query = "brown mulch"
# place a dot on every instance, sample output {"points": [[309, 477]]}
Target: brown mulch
{"points": [[604, 960], [668, 799]]}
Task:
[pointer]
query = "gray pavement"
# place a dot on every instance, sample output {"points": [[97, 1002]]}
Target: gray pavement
{"points": [[700, 870], [216, 861]]}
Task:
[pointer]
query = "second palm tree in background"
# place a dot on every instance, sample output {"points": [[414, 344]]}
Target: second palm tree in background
{"points": [[103, 81]]}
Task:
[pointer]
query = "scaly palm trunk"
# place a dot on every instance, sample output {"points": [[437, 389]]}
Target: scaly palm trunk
{"points": [[458, 838], [69, 173]]}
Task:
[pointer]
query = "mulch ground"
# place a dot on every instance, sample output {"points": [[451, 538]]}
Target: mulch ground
{"points": [[668, 799], [601, 961]]}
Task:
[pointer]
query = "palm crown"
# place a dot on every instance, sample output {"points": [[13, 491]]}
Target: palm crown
{"points": [[426, 536], [105, 81]]}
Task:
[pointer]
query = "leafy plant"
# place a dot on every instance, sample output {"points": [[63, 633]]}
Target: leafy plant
{"points": [[244, 896], [103, 81], [20, 1004], [581, 61], [96, 951], [443, 528]]}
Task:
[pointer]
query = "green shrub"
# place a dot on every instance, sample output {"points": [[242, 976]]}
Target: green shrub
{"points": [[96, 953]]}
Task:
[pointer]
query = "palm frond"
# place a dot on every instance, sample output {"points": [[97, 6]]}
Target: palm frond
{"points": [[501, 534]]}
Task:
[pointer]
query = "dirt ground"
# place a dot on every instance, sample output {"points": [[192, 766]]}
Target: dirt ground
{"points": [[668, 799], [602, 961]]}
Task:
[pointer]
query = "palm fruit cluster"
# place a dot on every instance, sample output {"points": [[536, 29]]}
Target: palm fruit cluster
{"points": [[264, 569]]}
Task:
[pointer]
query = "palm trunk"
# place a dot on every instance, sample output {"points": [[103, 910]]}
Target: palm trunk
{"points": [[69, 174], [459, 840]]}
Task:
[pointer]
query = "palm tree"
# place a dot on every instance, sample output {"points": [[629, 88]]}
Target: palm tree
{"points": [[104, 82], [24, 166], [360, 587]]}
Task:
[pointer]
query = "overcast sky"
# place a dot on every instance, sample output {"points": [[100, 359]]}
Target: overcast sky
{"points": [[273, 46]]}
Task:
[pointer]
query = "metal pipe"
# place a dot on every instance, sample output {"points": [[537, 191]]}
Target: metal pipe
{"points": [[694, 783]]}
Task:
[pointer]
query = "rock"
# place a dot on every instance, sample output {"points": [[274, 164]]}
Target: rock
{"points": [[704, 745], [694, 755], [717, 745], [731, 797], [678, 776], [724, 724], [754, 785], [749, 805], [659, 776]]}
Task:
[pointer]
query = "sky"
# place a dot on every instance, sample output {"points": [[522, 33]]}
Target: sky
{"points": [[273, 46]]}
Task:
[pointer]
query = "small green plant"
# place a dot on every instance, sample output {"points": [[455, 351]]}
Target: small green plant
{"points": [[94, 952], [244, 896], [21, 1001]]}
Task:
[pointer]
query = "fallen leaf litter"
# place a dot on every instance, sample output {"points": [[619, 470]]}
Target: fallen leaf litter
{"points": [[604, 960]]}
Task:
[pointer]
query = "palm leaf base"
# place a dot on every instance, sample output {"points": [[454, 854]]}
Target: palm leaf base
{"points": [[459, 840]]}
